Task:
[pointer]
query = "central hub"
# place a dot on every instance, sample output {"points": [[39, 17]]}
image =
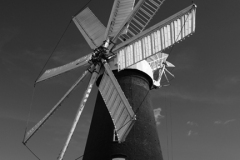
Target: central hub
{"points": [[98, 54]]}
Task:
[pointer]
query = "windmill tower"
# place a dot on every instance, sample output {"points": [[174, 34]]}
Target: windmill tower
{"points": [[127, 61]]}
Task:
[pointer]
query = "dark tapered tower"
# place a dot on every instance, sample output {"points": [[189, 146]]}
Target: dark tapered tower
{"points": [[142, 142]]}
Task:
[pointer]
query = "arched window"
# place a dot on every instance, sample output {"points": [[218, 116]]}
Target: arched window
{"points": [[115, 138]]}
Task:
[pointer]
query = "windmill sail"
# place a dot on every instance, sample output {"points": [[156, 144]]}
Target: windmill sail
{"points": [[32, 131], [126, 23], [62, 69], [139, 18], [117, 104], [156, 38], [90, 27], [80, 109], [120, 11]]}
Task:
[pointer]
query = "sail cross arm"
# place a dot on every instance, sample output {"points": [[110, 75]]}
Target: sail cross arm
{"points": [[117, 104], [90, 27], [157, 38], [65, 68]]}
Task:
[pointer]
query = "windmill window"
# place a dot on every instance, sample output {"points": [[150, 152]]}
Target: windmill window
{"points": [[115, 138]]}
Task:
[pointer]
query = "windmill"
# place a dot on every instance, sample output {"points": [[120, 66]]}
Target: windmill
{"points": [[122, 49]]}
